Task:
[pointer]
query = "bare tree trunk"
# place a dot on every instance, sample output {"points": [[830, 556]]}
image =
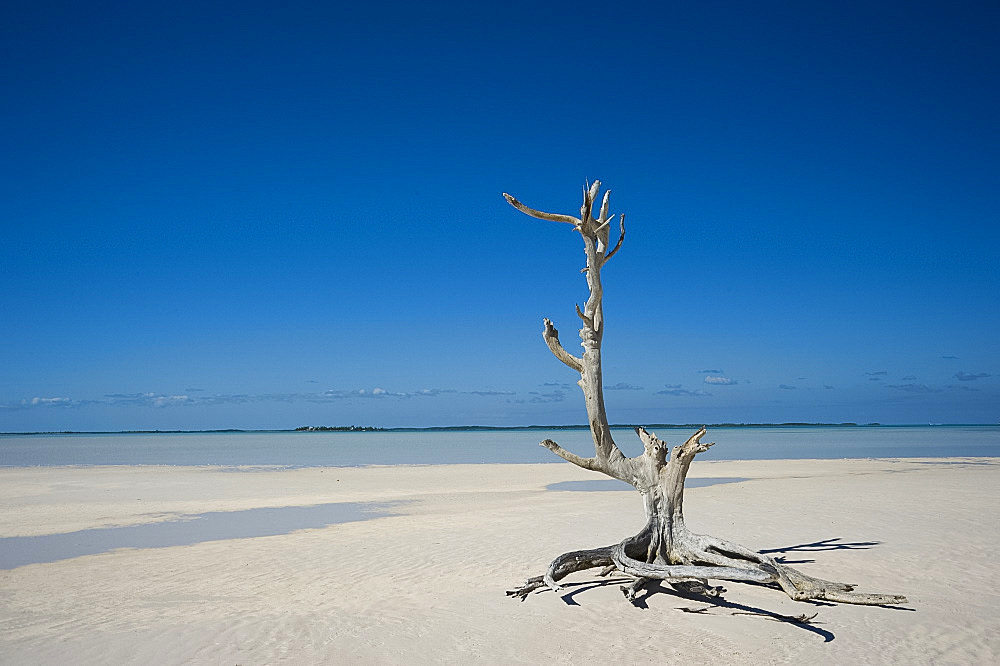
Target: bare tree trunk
{"points": [[665, 549]]}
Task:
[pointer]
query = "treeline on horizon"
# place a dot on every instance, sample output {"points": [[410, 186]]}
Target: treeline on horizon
{"points": [[465, 428]]}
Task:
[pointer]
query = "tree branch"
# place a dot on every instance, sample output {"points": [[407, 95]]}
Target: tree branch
{"points": [[605, 205], [692, 447], [589, 196], [552, 217], [654, 448], [621, 238], [551, 336], [608, 458], [569, 456]]}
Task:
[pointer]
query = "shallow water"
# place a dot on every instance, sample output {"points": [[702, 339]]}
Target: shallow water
{"points": [[188, 530], [347, 449]]}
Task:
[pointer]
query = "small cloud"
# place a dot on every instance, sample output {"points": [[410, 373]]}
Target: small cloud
{"points": [[376, 392], [908, 378], [489, 392], [554, 396], [562, 385], [147, 399], [51, 402], [786, 387], [877, 373], [957, 387], [827, 386], [673, 386], [168, 400], [965, 377], [874, 379], [710, 372], [684, 393], [720, 381], [434, 391], [914, 388], [311, 381], [193, 390], [951, 358], [622, 386]]}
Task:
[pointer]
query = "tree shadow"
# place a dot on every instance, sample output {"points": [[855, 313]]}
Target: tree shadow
{"points": [[808, 625], [569, 597], [816, 546], [803, 622]]}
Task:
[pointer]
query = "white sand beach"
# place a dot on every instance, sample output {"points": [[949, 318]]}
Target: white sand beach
{"points": [[426, 583]]}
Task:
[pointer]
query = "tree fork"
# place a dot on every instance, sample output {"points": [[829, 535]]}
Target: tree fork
{"points": [[665, 549]]}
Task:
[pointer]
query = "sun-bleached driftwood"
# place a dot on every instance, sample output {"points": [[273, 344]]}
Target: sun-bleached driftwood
{"points": [[665, 549]]}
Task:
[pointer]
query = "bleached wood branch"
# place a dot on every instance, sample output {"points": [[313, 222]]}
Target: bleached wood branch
{"points": [[551, 336], [607, 456], [621, 239], [552, 217]]}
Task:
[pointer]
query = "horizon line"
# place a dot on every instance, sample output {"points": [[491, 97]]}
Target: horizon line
{"points": [[352, 428]]}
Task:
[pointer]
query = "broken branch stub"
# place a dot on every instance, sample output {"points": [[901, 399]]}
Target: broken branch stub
{"points": [[665, 549]]}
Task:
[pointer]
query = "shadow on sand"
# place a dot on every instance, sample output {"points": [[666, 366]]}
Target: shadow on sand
{"points": [[816, 546]]}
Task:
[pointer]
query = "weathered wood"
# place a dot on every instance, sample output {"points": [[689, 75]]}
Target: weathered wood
{"points": [[665, 549]]}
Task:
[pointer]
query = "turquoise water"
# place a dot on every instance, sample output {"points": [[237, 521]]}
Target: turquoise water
{"points": [[314, 449]]}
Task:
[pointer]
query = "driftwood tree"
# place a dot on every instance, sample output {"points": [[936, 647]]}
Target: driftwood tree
{"points": [[665, 549]]}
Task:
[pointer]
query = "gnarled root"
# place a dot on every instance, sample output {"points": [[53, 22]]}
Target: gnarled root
{"points": [[562, 566], [709, 558], [705, 557]]}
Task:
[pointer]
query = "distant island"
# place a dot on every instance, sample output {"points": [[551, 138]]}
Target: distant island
{"points": [[352, 428]]}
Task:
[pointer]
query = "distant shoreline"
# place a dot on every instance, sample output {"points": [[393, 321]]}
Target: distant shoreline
{"points": [[480, 428]]}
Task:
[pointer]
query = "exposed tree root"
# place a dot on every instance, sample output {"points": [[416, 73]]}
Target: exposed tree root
{"points": [[693, 578]]}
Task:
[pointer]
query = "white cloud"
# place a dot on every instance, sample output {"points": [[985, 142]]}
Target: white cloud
{"points": [[914, 388], [720, 381], [966, 377], [50, 401], [684, 393], [554, 396], [151, 399], [622, 386]]}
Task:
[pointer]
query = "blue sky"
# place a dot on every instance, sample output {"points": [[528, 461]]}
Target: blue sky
{"points": [[247, 215]]}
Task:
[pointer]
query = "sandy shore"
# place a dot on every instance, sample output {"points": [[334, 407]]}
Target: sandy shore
{"points": [[424, 580]]}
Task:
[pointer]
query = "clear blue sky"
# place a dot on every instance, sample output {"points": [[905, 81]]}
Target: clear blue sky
{"points": [[257, 216]]}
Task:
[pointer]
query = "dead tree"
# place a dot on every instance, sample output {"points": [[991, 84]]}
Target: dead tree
{"points": [[665, 549]]}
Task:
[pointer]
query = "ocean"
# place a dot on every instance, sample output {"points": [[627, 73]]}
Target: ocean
{"points": [[429, 447]]}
